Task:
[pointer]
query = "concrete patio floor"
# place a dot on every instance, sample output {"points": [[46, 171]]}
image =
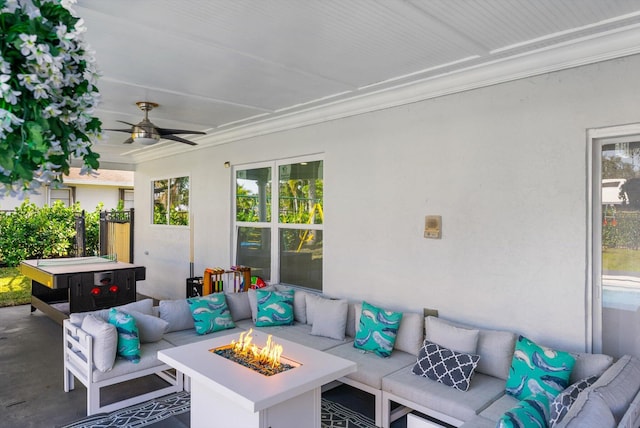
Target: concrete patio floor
{"points": [[31, 389]]}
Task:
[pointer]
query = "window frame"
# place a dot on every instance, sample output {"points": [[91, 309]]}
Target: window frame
{"points": [[71, 193], [274, 224]]}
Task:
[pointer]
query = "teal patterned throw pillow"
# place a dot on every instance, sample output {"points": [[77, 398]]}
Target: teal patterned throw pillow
{"points": [[274, 308], [536, 369], [210, 313], [532, 412], [377, 330], [128, 337]]}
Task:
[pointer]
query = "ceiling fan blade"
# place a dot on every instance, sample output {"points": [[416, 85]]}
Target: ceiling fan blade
{"points": [[165, 131], [126, 123], [128, 141], [119, 130], [179, 139]]}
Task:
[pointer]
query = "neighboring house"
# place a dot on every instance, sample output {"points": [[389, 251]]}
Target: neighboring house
{"points": [[611, 188], [108, 187]]}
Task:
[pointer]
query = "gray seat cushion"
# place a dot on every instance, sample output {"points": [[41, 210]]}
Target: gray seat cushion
{"points": [[479, 422], [372, 368], [498, 407], [462, 405], [148, 359]]}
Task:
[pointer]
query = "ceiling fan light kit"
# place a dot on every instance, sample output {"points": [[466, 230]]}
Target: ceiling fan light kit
{"points": [[146, 133]]}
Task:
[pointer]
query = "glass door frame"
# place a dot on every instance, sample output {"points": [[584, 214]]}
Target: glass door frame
{"points": [[596, 138]]}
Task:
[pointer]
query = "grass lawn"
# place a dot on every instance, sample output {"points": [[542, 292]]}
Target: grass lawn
{"points": [[15, 289], [621, 259]]}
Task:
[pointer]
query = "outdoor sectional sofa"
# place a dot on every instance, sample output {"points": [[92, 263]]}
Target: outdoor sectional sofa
{"points": [[612, 398]]}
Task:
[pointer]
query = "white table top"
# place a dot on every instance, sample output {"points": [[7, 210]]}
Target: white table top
{"points": [[250, 389]]}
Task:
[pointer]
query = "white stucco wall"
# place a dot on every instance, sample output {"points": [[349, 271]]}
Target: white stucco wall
{"points": [[90, 196], [505, 166]]}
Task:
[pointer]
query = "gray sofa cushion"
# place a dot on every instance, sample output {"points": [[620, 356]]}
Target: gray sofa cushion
{"points": [[619, 385], [410, 334], [150, 327], [498, 407], [177, 314], [238, 306], [105, 341], [372, 368], [145, 306], [299, 333], [464, 340], [148, 359], [588, 365], [589, 410], [462, 405], [333, 320], [495, 348], [184, 337], [311, 302], [479, 422], [631, 418]]}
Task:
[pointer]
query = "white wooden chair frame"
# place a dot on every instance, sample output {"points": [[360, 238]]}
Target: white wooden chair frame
{"points": [[78, 363]]}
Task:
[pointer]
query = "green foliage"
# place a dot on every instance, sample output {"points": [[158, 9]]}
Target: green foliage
{"points": [[171, 201], [15, 289], [48, 95], [621, 229], [615, 167], [39, 233], [299, 200], [247, 205], [92, 231]]}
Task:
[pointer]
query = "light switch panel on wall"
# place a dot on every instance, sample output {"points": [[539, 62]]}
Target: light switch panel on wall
{"points": [[433, 226]]}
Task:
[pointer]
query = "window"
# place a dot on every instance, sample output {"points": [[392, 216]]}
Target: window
{"points": [[280, 234], [63, 194], [171, 201], [126, 196]]}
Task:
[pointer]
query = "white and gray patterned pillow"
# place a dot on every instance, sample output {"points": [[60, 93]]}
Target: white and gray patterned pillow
{"points": [[443, 365], [563, 401]]}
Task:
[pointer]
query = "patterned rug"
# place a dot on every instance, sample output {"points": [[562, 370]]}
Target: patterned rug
{"points": [[334, 415]]}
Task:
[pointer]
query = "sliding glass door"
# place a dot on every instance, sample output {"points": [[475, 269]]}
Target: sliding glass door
{"points": [[616, 244]]}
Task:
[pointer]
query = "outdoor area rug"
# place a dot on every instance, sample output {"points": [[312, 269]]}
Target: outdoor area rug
{"points": [[334, 415], [140, 415]]}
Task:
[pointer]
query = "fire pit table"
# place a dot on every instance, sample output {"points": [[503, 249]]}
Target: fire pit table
{"points": [[228, 394]]}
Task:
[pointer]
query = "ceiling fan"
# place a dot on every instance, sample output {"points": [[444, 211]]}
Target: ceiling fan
{"points": [[147, 133]]}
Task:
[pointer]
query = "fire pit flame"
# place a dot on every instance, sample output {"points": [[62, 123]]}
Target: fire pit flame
{"points": [[266, 360], [269, 354]]}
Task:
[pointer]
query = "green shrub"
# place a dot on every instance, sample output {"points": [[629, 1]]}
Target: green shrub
{"points": [[39, 233], [622, 230]]}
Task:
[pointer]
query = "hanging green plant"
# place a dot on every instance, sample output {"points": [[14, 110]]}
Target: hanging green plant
{"points": [[48, 95]]}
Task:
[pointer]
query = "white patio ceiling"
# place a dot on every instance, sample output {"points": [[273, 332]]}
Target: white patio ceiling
{"points": [[236, 68]]}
